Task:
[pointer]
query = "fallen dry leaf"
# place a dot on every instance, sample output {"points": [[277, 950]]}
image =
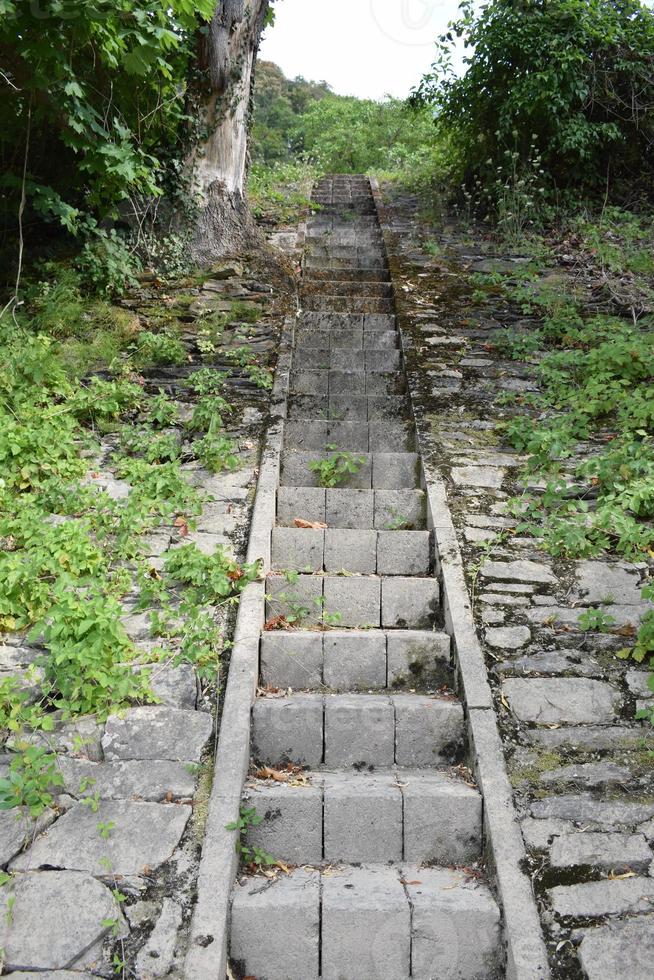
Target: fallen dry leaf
{"points": [[277, 623], [181, 523], [300, 522]]}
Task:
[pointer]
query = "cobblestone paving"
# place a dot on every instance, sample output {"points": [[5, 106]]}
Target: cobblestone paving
{"points": [[580, 762], [357, 736]]}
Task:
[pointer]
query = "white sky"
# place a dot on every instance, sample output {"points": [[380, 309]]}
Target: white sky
{"points": [[368, 48]]}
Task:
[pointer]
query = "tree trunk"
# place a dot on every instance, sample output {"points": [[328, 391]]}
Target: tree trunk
{"points": [[227, 54]]}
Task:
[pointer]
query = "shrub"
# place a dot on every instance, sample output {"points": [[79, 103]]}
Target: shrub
{"points": [[575, 76]]}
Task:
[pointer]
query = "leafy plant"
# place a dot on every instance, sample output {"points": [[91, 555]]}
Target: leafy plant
{"points": [[595, 620], [572, 74], [248, 817], [336, 468], [216, 452], [89, 652], [162, 411], [209, 578], [152, 349], [33, 773]]}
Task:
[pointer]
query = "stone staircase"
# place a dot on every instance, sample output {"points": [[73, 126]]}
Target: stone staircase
{"points": [[381, 823]]}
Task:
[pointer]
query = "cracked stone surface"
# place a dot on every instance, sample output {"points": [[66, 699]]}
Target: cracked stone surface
{"points": [[608, 851], [508, 637], [139, 836], [519, 571], [155, 958], [56, 922], [146, 779], [157, 732], [557, 700], [606, 950]]}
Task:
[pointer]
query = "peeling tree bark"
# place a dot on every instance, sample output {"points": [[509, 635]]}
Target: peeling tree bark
{"points": [[226, 56]]}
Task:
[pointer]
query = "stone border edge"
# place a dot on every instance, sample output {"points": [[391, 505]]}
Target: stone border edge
{"points": [[207, 949], [526, 952]]}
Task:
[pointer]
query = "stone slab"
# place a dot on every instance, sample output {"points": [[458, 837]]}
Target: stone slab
{"points": [[522, 571], [561, 700], [138, 836], [157, 732], [146, 779], [365, 925], [455, 925], [275, 926], [619, 949], [56, 922], [607, 851], [591, 899]]}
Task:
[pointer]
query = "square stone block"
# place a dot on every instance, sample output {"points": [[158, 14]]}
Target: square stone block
{"points": [[359, 729], [349, 508], [365, 925], [382, 360], [363, 818], [391, 437], [308, 407], [298, 549], [442, 819], [348, 382], [418, 658], [403, 553], [275, 931], [347, 360], [428, 731], [395, 471], [291, 824], [350, 550], [288, 730], [305, 436], [355, 599], [309, 382], [455, 925], [307, 503], [354, 659], [348, 436], [400, 510], [348, 408], [291, 658], [301, 599], [409, 603]]}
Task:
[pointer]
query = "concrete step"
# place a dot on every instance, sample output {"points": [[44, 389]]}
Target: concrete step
{"points": [[357, 254], [346, 287], [372, 922], [353, 262], [346, 382], [347, 304], [418, 815], [382, 360], [376, 471], [366, 552], [349, 339], [344, 408], [345, 321], [351, 238], [385, 510], [359, 275], [360, 437], [354, 601], [355, 660], [345, 731]]}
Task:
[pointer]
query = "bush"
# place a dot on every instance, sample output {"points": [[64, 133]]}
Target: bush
{"points": [[572, 76]]}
